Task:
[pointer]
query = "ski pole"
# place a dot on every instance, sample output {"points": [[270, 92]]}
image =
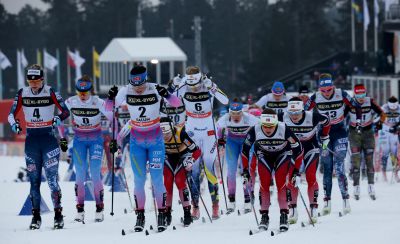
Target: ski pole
{"points": [[219, 159], [154, 200], [112, 160], [305, 205], [246, 183], [201, 198], [127, 187]]}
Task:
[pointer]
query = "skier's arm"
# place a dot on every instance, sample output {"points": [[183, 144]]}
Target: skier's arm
{"points": [[190, 144], [17, 104], [310, 103], [295, 145], [221, 126], [246, 147], [59, 102], [323, 120], [219, 95], [378, 110], [349, 101], [261, 102]]}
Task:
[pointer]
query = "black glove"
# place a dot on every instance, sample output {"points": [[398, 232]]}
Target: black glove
{"points": [[16, 127], [162, 91], [113, 146], [393, 129], [221, 142], [246, 175], [63, 144], [378, 126], [358, 126], [112, 93]]}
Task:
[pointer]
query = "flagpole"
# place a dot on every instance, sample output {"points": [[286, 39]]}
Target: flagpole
{"points": [[68, 73], [353, 33], [93, 71], [58, 71], [365, 25], [1, 83], [376, 27], [44, 67]]}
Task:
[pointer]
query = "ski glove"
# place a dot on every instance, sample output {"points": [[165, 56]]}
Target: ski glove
{"points": [[63, 144], [210, 85], [325, 142], [221, 142], [113, 146], [246, 175], [56, 121], [294, 177], [112, 93], [16, 127], [378, 126], [188, 163], [162, 91]]}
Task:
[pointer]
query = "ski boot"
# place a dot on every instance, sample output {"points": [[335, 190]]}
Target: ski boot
{"points": [[215, 210], [58, 218], [168, 215], [247, 207], [371, 191], [293, 215], [140, 220], [99, 216], [313, 213], [161, 220], [195, 212], [187, 217], [80, 215], [231, 205], [36, 219], [264, 220], [283, 221], [357, 192], [327, 207], [346, 206]]}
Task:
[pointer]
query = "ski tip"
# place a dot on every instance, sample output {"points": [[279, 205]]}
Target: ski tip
{"points": [[250, 232], [173, 227], [302, 224], [123, 232], [146, 232], [151, 227], [125, 211], [272, 233], [238, 212]]}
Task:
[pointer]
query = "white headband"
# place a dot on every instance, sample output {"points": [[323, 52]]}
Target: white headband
{"points": [[393, 105], [295, 105], [269, 119], [193, 79], [166, 127]]}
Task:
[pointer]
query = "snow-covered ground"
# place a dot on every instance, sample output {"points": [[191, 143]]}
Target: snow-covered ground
{"points": [[369, 222]]}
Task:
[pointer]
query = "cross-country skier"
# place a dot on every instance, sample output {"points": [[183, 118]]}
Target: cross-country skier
{"points": [[363, 142], [177, 115], [332, 101], [390, 133], [38, 102], [232, 129], [146, 143], [198, 93], [86, 110], [275, 146], [181, 154], [276, 100], [305, 124]]}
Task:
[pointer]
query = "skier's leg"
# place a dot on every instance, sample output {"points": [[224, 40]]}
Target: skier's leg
{"points": [[79, 156], [311, 161], [281, 171], [168, 182], [138, 159], [96, 155], [327, 161], [180, 181], [355, 144], [156, 156], [369, 145], [265, 174], [232, 153], [50, 157], [209, 157], [340, 149], [34, 170]]}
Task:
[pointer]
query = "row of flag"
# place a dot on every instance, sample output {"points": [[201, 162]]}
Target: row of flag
{"points": [[362, 14], [51, 64]]}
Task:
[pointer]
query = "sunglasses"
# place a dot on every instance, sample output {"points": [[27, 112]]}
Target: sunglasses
{"points": [[268, 125], [35, 81], [82, 93], [363, 95], [297, 112], [326, 90], [235, 112]]}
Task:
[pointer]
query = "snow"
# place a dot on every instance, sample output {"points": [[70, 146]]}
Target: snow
{"points": [[369, 222]]}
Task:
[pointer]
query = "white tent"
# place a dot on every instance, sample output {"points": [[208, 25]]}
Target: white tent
{"points": [[118, 57]]}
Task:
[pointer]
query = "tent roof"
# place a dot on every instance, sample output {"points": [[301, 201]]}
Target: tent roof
{"points": [[142, 49]]}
